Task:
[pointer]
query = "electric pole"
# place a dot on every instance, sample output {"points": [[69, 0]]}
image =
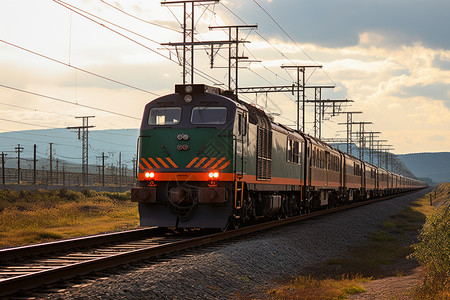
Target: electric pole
{"points": [[233, 53], [120, 169], [3, 168], [103, 167], [319, 109], [83, 135], [57, 171], [18, 150], [361, 137], [51, 163], [349, 125], [34, 164], [186, 57], [300, 69]]}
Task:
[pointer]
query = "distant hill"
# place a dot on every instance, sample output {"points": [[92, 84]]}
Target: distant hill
{"points": [[67, 149], [432, 165]]}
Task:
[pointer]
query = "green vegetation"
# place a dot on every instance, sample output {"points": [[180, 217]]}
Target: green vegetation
{"points": [[378, 257], [433, 250], [386, 246], [29, 217]]}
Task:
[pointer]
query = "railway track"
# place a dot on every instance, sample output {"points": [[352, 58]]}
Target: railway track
{"points": [[28, 267]]}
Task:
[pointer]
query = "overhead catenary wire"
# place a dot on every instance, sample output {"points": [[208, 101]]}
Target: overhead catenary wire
{"points": [[78, 11], [244, 45], [290, 37], [68, 102], [140, 19], [78, 69]]}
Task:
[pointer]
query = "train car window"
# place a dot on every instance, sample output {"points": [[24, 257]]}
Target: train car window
{"points": [[244, 125], [240, 129], [209, 115], [164, 116], [314, 157], [289, 149], [296, 152], [322, 160]]}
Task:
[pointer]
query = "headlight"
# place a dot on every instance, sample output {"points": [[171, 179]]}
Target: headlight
{"points": [[213, 175], [149, 175]]}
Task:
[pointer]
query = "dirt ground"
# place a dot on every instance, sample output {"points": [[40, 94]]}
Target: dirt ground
{"points": [[397, 287]]}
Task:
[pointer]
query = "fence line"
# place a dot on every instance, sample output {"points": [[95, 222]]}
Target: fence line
{"points": [[67, 178]]}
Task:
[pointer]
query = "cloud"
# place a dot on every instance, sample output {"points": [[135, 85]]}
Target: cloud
{"points": [[340, 23], [437, 91]]}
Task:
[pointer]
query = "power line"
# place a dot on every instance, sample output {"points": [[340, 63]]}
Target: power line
{"points": [[25, 123], [289, 36], [137, 18], [34, 109], [77, 11], [74, 9], [68, 102], [79, 69]]}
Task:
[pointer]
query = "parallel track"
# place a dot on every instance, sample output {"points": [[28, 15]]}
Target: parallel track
{"points": [[105, 251]]}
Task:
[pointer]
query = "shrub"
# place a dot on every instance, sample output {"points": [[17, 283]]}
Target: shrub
{"points": [[89, 193], [433, 250], [68, 194], [118, 196]]}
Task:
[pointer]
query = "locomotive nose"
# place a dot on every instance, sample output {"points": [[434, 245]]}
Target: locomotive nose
{"points": [[181, 195]]}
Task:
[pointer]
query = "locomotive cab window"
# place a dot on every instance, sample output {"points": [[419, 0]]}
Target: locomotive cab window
{"points": [[164, 116], [209, 115], [293, 151], [242, 125]]}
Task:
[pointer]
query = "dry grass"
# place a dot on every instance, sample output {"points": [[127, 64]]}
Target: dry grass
{"points": [[374, 259], [314, 289], [40, 216], [386, 246]]}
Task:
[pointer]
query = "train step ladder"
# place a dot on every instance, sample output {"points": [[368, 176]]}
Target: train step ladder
{"points": [[238, 194]]}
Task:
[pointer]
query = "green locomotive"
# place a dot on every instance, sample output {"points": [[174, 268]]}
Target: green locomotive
{"points": [[207, 159]]}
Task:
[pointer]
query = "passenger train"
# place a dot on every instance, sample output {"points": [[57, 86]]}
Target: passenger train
{"points": [[209, 160]]}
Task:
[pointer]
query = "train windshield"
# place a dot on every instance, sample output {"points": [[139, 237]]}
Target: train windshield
{"points": [[209, 115], [164, 116]]}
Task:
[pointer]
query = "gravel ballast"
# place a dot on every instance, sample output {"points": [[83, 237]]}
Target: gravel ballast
{"points": [[248, 266]]}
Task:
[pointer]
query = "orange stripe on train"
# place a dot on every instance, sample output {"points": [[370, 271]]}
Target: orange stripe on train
{"points": [[200, 162], [171, 162], [224, 165], [146, 163], [154, 163], [209, 162], [192, 162], [162, 162], [218, 163]]}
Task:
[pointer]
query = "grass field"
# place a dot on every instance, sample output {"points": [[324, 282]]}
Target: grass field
{"points": [[393, 242], [42, 216]]}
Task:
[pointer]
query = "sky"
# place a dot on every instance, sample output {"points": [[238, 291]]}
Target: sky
{"points": [[62, 60]]}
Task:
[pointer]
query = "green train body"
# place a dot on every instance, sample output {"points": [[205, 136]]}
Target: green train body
{"points": [[209, 160]]}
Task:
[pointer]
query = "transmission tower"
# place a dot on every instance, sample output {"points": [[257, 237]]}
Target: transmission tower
{"points": [[233, 52], [300, 69], [186, 55], [83, 135]]}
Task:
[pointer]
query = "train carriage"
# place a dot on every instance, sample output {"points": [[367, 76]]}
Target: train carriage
{"points": [[370, 180], [207, 159], [323, 172], [353, 176]]}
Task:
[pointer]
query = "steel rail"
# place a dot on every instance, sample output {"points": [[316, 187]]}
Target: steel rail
{"points": [[86, 241], [32, 280]]}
